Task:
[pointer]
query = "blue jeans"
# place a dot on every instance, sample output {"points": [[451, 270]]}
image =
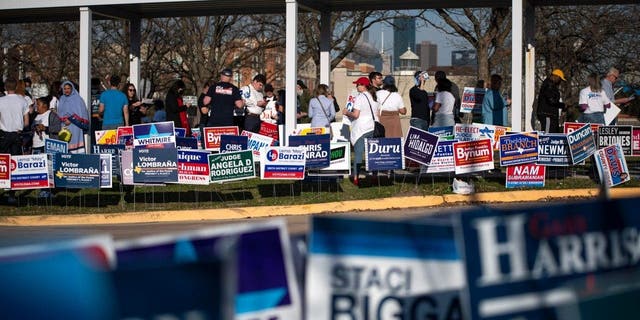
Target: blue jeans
{"points": [[419, 123], [358, 149], [596, 117]]}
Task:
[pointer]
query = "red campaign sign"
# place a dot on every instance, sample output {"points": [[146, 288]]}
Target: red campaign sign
{"points": [[269, 130], [212, 136], [5, 171], [473, 156], [525, 175], [573, 126], [124, 131], [635, 141]]}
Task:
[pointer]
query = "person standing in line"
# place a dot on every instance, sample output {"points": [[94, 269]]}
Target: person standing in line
{"points": [[14, 113], [137, 110], [114, 106], [593, 101], [96, 118], [455, 91], [444, 104], [607, 85], [175, 107], [375, 78], [321, 110], [254, 102], [363, 117], [302, 99], [550, 102], [223, 99], [202, 107], [494, 106], [391, 107], [47, 124], [419, 98], [74, 114]]}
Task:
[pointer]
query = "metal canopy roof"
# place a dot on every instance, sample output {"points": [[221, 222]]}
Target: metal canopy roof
{"points": [[15, 11]]}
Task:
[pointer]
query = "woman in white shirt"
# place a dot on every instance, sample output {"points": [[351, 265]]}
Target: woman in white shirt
{"points": [[391, 107], [593, 101], [443, 106], [362, 116]]}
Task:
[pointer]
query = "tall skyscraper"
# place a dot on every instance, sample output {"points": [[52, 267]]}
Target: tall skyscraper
{"points": [[404, 37], [428, 53]]}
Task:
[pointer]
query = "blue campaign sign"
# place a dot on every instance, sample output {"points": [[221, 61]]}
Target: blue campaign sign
{"points": [[318, 148], [262, 274], [233, 143], [180, 132], [420, 145], [357, 268], [53, 146], [77, 170], [581, 143], [535, 263], [442, 131], [186, 143], [383, 154], [155, 165], [114, 150], [518, 148], [154, 135], [553, 150]]}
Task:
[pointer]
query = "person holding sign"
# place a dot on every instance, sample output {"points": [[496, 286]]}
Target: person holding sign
{"points": [[593, 101], [607, 85]]}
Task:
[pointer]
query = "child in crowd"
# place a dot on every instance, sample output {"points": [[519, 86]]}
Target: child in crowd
{"points": [[46, 124]]}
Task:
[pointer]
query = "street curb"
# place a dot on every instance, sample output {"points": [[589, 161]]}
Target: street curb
{"points": [[307, 209]]}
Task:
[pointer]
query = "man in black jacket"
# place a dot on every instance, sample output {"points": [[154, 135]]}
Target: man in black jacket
{"points": [[420, 112], [550, 102]]}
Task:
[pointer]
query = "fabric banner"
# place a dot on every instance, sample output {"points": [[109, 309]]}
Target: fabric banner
{"points": [[154, 135], [231, 166], [286, 163], [473, 156], [5, 171], [318, 147], [611, 135], [29, 172], [612, 165], [518, 148], [443, 160], [366, 269], [193, 167], [553, 150], [420, 145], [233, 143], [472, 100], [581, 143], [383, 154], [153, 165], [212, 136], [77, 171], [525, 175]]}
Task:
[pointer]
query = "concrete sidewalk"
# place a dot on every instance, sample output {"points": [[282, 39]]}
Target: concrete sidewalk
{"points": [[308, 209]]}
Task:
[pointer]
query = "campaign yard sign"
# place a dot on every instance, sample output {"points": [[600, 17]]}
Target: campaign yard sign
{"points": [[570, 127], [125, 136], [188, 143], [29, 171], [420, 145], [530, 263], [233, 143], [180, 132], [366, 269], [317, 147], [340, 163], [473, 156], [636, 141], [77, 170], [153, 165], [256, 142], [193, 167], [383, 154], [261, 274], [472, 99], [518, 148], [581, 143], [212, 136], [285, 163], [477, 131], [5, 171], [270, 130], [442, 132], [106, 171], [612, 165], [553, 150], [231, 166], [443, 160], [525, 175], [114, 150], [611, 135], [106, 136], [154, 135]]}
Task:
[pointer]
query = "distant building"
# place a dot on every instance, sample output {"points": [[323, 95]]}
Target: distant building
{"points": [[404, 36], [408, 62], [464, 58], [428, 53]]}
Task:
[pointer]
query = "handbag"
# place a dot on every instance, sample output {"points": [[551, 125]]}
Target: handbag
{"points": [[378, 128], [327, 116]]}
